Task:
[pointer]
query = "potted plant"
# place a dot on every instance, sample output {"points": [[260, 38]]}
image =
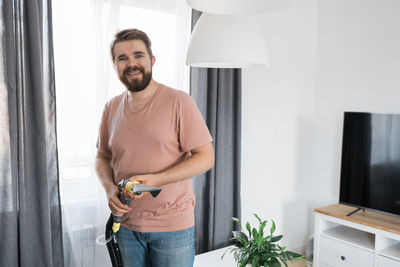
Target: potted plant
{"points": [[256, 249]]}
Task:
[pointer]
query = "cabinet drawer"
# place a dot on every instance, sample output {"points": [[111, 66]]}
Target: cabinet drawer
{"points": [[339, 254], [386, 262]]}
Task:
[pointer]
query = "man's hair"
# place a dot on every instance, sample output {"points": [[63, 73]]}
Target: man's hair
{"points": [[128, 35]]}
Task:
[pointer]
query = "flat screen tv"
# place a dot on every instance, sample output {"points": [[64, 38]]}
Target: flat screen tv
{"points": [[370, 166]]}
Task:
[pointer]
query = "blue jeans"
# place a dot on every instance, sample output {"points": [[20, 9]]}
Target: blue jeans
{"points": [[162, 249]]}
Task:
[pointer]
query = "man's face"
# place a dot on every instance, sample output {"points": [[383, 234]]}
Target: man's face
{"points": [[133, 64]]}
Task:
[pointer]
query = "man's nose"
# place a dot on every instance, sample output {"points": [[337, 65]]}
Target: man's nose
{"points": [[132, 61]]}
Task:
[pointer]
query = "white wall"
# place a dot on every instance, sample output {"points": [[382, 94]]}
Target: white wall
{"points": [[326, 57]]}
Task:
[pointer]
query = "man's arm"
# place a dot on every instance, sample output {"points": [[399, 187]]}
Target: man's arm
{"points": [[200, 160], [105, 174]]}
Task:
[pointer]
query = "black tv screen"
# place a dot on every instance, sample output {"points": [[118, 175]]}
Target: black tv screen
{"points": [[370, 166]]}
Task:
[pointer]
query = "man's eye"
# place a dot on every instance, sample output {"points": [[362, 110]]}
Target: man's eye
{"points": [[138, 56], [122, 58]]}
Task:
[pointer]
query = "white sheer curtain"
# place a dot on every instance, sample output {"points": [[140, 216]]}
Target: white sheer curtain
{"points": [[85, 80]]}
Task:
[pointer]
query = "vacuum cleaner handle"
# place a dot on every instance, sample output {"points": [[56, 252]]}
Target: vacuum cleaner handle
{"points": [[124, 200], [114, 222], [134, 187]]}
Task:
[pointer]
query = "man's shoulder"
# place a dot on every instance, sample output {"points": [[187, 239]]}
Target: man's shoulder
{"points": [[174, 93], [116, 100]]}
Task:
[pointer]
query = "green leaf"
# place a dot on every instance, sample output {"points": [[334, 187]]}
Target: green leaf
{"points": [[261, 229], [291, 256], [276, 238], [256, 261], [294, 256], [248, 228], [273, 262], [258, 218], [284, 262], [236, 220], [228, 250], [284, 255], [272, 230], [242, 237], [269, 255], [255, 234], [266, 238], [281, 248]]}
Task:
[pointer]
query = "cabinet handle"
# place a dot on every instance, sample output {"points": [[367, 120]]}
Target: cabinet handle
{"points": [[343, 258]]}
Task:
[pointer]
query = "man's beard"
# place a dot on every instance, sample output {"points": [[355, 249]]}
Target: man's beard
{"points": [[136, 85]]}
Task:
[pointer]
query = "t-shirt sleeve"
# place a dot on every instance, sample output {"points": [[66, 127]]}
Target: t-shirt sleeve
{"points": [[103, 136], [193, 131]]}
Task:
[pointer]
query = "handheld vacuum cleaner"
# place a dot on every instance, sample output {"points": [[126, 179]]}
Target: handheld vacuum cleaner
{"points": [[114, 222]]}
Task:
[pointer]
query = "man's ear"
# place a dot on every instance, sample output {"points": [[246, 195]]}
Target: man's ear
{"points": [[115, 65], [153, 60]]}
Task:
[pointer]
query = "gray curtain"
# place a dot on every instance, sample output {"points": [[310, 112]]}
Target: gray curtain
{"points": [[30, 218], [217, 93]]}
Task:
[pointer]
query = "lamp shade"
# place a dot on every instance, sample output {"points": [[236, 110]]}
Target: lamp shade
{"points": [[238, 6], [227, 41]]}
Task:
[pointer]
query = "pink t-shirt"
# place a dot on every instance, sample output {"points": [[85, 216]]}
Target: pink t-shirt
{"points": [[151, 140]]}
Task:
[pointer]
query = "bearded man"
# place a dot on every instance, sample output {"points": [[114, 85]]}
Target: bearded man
{"points": [[155, 135]]}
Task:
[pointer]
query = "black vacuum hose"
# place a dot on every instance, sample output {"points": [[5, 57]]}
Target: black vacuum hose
{"points": [[112, 246]]}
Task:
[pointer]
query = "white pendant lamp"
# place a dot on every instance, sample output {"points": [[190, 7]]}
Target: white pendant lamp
{"points": [[227, 41], [239, 6]]}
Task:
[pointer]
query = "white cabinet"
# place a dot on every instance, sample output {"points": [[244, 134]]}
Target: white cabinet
{"points": [[387, 262], [336, 253], [365, 239]]}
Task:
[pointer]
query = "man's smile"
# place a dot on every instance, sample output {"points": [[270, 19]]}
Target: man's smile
{"points": [[133, 74]]}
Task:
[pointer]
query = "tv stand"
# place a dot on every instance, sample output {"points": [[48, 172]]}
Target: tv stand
{"points": [[354, 211], [367, 239]]}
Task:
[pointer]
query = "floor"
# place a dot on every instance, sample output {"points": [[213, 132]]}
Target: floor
{"points": [[299, 263]]}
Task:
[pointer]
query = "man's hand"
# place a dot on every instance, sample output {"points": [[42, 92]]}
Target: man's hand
{"points": [[150, 179], [200, 160], [116, 206], [142, 180]]}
